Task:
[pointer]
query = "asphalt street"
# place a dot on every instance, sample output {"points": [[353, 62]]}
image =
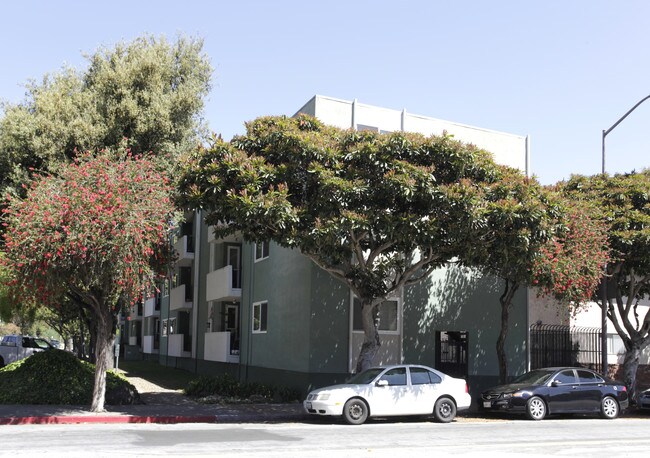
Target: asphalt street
{"points": [[582, 437]]}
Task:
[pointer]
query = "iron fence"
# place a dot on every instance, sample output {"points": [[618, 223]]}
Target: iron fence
{"points": [[558, 345]]}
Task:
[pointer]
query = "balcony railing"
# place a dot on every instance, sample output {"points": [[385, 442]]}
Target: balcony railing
{"points": [[184, 247], [177, 346], [150, 308], [180, 298], [219, 285], [150, 345], [218, 347], [232, 238]]}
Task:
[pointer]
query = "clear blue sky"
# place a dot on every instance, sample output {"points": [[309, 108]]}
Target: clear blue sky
{"points": [[560, 71]]}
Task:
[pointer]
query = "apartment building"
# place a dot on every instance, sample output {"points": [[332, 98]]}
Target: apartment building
{"points": [[266, 313]]}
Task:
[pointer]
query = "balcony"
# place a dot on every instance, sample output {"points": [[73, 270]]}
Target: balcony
{"points": [[176, 346], [217, 347], [149, 345], [150, 308], [232, 238], [219, 286], [180, 298], [184, 247]]}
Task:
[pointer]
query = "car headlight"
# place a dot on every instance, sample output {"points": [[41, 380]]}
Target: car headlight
{"points": [[521, 394], [323, 396], [507, 395]]}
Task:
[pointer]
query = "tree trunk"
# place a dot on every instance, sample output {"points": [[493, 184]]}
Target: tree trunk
{"points": [[371, 342], [506, 302], [104, 340], [630, 366]]}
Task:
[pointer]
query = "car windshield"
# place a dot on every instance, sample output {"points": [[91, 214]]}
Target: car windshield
{"points": [[40, 343], [536, 377], [365, 377]]}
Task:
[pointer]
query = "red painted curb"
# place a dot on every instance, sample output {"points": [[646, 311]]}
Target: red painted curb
{"points": [[76, 419]]}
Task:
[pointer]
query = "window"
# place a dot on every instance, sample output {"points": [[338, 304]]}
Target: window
{"points": [[164, 328], [422, 376], [261, 250], [588, 377], [362, 127], [565, 377], [260, 312], [395, 376], [165, 285], [387, 313]]}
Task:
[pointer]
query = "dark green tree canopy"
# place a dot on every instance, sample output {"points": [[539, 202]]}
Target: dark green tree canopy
{"points": [[358, 203], [376, 211]]}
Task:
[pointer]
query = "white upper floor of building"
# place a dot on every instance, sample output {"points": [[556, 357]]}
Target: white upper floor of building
{"points": [[508, 149]]}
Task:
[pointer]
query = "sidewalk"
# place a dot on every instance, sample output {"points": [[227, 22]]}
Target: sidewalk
{"points": [[162, 402], [185, 411]]}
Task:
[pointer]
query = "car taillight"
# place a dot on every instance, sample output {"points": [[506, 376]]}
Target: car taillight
{"points": [[624, 388], [466, 388]]}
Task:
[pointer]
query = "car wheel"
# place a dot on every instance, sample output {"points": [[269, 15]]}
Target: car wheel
{"points": [[535, 408], [355, 411], [445, 410], [609, 408]]}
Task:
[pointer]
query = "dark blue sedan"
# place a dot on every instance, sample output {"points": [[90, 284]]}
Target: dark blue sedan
{"points": [[554, 390]]}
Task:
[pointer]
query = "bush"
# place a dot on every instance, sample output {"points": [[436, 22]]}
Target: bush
{"points": [[226, 387], [60, 378]]}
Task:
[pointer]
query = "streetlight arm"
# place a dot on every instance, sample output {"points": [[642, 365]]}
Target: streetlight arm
{"points": [[605, 132]]}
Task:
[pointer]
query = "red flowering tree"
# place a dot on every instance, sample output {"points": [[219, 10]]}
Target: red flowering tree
{"points": [[531, 238], [570, 265], [622, 203], [96, 232]]}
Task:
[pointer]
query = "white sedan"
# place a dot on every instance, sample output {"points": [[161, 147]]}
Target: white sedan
{"points": [[392, 390]]}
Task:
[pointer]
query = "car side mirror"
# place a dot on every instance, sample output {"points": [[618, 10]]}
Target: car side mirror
{"points": [[556, 383], [382, 383]]}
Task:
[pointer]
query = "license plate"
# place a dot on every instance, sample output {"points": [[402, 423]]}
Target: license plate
{"points": [[308, 404], [487, 404]]}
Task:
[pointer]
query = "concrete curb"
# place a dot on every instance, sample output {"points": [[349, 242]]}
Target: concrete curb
{"points": [[107, 419]]}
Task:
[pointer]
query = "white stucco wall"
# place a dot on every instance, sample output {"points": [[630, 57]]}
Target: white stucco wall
{"points": [[508, 149]]}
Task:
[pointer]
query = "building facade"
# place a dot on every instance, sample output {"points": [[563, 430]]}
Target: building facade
{"points": [[266, 313]]}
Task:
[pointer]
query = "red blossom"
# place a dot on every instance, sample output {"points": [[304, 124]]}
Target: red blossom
{"points": [[97, 222]]}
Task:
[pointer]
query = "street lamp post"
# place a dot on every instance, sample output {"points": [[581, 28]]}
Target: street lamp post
{"points": [[604, 287]]}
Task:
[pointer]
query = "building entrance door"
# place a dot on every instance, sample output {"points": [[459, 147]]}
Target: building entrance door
{"points": [[451, 353]]}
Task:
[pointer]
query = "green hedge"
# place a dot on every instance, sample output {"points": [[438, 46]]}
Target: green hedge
{"points": [[60, 378], [226, 386]]}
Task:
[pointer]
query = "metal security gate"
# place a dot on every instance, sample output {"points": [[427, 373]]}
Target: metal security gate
{"points": [[451, 354], [557, 345]]}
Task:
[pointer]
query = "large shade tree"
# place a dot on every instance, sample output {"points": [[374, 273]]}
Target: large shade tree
{"points": [[149, 91], [376, 211], [533, 237], [623, 202], [97, 232]]}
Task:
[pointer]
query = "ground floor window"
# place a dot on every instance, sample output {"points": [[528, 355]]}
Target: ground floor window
{"points": [[386, 313]]}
